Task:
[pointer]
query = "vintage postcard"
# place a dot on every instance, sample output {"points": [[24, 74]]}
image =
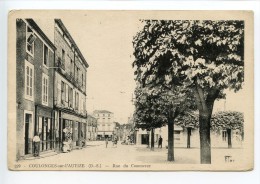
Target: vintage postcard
{"points": [[131, 90]]}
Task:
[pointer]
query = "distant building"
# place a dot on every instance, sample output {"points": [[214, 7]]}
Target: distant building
{"points": [[91, 128], [106, 124], [34, 88]]}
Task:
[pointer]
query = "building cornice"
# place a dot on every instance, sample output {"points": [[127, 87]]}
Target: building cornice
{"points": [[66, 32]]}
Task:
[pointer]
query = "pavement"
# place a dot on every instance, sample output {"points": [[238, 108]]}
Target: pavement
{"points": [[96, 152]]}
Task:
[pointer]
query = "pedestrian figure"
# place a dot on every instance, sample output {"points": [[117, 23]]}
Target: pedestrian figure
{"points": [[106, 142], [160, 142], [115, 141], [36, 142]]}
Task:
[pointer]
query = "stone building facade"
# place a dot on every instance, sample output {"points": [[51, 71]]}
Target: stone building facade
{"points": [[70, 88], [50, 88], [91, 128], [106, 124], [34, 88]]}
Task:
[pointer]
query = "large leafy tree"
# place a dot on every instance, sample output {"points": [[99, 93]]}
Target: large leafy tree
{"points": [[188, 120], [157, 107], [203, 56], [148, 112], [228, 120]]}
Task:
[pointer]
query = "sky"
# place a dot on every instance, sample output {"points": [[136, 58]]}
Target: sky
{"points": [[105, 40]]}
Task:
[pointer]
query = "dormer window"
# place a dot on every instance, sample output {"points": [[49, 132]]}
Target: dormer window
{"points": [[30, 38]]}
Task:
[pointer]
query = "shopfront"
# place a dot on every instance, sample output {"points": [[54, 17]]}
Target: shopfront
{"points": [[44, 127], [70, 125]]}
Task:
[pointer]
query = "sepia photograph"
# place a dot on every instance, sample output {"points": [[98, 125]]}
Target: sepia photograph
{"points": [[131, 90]]}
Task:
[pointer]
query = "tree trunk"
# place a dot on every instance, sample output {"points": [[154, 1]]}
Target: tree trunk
{"points": [[148, 141], [205, 102], [229, 138], [188, 136], [205, 148], [170, 140], [152, 139]]}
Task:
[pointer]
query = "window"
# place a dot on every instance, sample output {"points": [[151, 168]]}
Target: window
{"points": [[103, 115], [224, 135], [66, 93], [71, 67], [62, 92], [63, 56], [82, 80], [76, 74], [30, 38], [44, 89], [76, 100], [177, 135], [29, 80], [45, 55], [70, 97]]}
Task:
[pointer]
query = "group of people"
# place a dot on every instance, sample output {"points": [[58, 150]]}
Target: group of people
{"points": [[67, 142], [114, 141]]}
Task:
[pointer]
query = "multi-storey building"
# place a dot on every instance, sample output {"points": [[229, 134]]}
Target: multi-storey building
{"points": [[34, 88], [70, 87], [106, 124], [92, 128]]}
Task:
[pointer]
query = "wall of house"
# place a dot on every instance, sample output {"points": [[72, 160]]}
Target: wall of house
{"points": [[105, 121], [180, 137], [58, 99], [68, 74], [25, 105], [39, 70]]}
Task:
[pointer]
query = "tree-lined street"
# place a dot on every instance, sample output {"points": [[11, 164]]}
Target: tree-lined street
{"points": [[96, 152], [183, 57]]}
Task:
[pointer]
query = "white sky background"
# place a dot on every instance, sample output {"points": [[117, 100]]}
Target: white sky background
{"points": [[106, 43], [110, 77]]}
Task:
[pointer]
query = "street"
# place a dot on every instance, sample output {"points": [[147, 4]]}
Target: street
{"points": [[96, 152]]}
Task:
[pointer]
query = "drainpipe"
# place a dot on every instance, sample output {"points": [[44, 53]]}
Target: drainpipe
{"points": [[53, 100], [35, 120]]}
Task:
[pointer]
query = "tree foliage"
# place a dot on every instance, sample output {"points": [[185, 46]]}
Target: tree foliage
{"points": [[154, 105], [227, 120], [209, 53], [201, 56], [188, 120]]}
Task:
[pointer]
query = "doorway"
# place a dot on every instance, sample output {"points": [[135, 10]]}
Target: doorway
{"points": [[27, 138], [145, 139]]}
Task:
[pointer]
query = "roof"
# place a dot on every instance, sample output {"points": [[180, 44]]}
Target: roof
{"points": [[62, 26], [91, 116], [102, 111], [33, 24]]}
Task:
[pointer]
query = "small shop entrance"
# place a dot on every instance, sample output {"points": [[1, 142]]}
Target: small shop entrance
{"points": [[28, 142]]}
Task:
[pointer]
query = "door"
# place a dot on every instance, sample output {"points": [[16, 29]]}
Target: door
{"points": [[145, 139], [28, 120]]}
